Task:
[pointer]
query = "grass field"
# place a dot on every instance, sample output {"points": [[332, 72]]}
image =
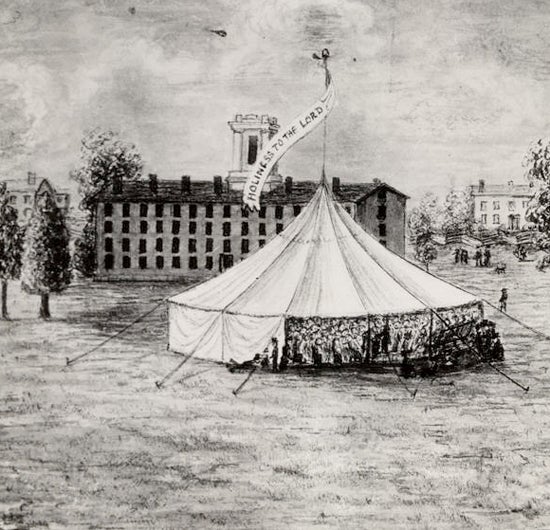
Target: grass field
{"points": [[97, 445]]}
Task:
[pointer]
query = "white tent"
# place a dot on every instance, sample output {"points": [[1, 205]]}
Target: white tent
{"points": [[324, 264]]}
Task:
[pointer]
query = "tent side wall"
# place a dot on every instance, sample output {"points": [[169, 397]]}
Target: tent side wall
{"points": [[219, 336], [195, 332]]}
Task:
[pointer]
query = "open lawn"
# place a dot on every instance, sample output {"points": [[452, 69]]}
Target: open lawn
{"points": [[97, 445]]}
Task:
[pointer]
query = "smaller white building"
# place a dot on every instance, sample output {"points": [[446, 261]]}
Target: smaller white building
{"points": [[501, 205], [22, 195]]}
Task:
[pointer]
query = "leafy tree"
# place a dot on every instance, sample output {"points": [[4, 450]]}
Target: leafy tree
{"points": [[84, 259], [424, 223], [10, 246], [46, 259], [104, 158], [458, 212], [426, 253], [537, 162]]}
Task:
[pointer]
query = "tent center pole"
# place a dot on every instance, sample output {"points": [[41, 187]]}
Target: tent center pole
{"points": [[430, 335], [368, 354]]}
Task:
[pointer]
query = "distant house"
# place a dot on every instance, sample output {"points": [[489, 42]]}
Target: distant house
{"points": [[501, 205], [22, 195]]}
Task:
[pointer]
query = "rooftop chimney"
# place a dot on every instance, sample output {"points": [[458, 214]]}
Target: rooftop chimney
{"points": [[153, 182], [117, 185], [218, 185], [481, 187], [288, 185], [185, 184], [31, 178], [335, 185]]}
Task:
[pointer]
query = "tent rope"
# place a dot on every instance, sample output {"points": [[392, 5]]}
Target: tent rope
{"points": [[400, 378], [237, 390], [69, 362], [518, 321], [160, 383], [124, 329], [477, 355]]}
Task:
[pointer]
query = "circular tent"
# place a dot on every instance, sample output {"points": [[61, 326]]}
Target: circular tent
{"points": [[322, 265]]}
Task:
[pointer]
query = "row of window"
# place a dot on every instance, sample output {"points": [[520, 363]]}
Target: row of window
{"points": [[193, 210], [496, 205], [109, 262], [191, 245], [27, 199], [176, 227], [513, 219], [159, 262]]}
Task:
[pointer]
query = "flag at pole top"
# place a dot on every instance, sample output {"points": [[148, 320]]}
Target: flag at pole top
{"points": [[277, 146]]}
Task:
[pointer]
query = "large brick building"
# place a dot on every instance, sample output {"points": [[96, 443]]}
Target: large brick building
{"points": [[168, 229]]}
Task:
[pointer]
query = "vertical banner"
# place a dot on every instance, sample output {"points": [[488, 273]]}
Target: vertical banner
{"points": [[277, 146]]}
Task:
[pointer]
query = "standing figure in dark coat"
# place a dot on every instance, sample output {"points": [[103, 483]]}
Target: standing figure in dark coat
{"points": [[275, 353], [316, 354], [337, 350], [457, 255], [503, 300], [296, 354], [285, 359], [487, 258], [478, 256], [385, 343], [465, 257]]}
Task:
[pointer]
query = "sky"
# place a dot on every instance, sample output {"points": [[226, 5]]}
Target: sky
{"points": [[430, 94]]}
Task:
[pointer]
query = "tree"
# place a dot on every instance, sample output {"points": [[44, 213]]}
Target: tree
{"points": [[104, 159], [10, 246], [46, 260], [458, 212], [537, 162], [424, 223]]}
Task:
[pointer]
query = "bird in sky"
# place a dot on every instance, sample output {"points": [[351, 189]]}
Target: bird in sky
{"points": [[219, 32]]}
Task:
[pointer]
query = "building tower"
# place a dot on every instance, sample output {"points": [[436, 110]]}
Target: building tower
{"points": [[250, 133]]}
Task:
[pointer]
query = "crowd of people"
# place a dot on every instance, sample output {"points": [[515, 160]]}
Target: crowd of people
{"points": [[336, 341], [520, 252], [377, 339], [482, 256]]}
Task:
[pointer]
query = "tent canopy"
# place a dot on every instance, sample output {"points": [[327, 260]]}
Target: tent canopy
{"points": [[324, 264]]}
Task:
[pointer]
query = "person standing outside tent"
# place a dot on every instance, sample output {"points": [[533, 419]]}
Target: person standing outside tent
{"points": [[478, 257], [503, 300], [336, 350], [275, 353], [487, 257]]}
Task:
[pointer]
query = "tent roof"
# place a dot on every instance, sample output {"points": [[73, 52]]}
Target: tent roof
{"points": [[323, 264]]}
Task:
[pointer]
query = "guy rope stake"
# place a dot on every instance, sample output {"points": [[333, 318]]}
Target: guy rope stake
{"points": [[236, 391]]}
